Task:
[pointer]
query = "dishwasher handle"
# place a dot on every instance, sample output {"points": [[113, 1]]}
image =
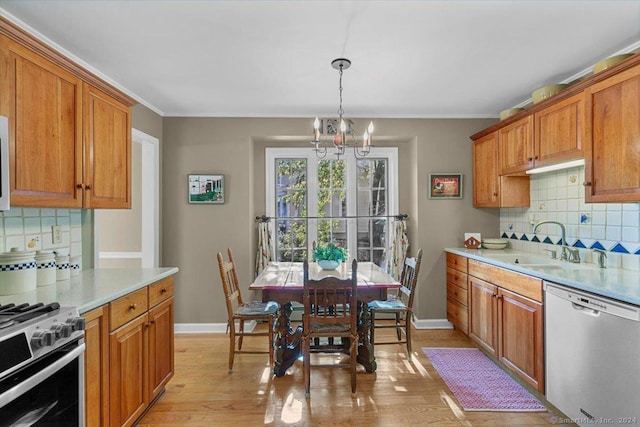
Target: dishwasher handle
{"points": [[585, 310]]}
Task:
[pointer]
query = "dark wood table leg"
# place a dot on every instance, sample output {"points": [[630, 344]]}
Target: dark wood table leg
{"points": [[287, 342], [365, 350]]}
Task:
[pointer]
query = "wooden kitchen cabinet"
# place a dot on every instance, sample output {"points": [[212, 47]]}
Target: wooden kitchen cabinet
{"points": [[96, 366], [107, 151], [141, 350], [548, 136], [506, 319], [161, 336], [69, 132], [457, 294], [44, 105], [557, 133], [490, 189], [612, 138], [129, 375], [483, 327], [516, 146]]}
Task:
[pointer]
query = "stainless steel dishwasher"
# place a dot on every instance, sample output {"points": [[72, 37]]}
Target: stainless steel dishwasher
{"points": [[592, 356]]}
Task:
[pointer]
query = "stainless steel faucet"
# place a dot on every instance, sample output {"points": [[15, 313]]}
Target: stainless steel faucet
{"points": [[564, 254]]}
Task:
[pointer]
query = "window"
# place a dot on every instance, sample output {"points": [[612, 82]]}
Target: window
{"points": [[347, 201]]}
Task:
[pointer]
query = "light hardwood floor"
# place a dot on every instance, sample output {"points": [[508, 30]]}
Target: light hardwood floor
{"points": [[400, 393]]}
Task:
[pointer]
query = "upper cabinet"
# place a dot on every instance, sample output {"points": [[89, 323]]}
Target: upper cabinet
{"points": [[548, 136], [69, 132], [612, 138], [490, 190]]}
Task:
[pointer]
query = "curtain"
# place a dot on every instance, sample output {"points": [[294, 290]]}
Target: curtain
{"points": [[399, 247], [264, 247]]}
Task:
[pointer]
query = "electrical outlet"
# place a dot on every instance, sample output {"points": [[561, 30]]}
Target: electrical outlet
{"points": [[56, 233]]}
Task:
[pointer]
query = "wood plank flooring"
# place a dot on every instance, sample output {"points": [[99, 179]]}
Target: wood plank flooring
{"points": [[400, 393]]}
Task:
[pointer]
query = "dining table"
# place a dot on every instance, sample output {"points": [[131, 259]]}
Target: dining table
{"points": [[282, 282]]}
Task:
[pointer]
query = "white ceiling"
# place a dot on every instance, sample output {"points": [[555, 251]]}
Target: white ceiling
{"points": [[272, 58]]}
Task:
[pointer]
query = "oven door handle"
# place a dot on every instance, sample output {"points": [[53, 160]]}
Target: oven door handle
{"points": [[26, 385]]}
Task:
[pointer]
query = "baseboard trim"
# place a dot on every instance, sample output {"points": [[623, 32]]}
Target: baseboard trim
{"points": [[432, 324], [221, 328], [208, 328]]}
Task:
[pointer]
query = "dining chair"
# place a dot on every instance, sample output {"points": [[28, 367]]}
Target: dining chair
{"points": [[330, 310], [399, 305], [240, 311]]}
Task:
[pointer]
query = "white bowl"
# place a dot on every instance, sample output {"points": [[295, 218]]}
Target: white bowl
{"points": [[491, 243]]}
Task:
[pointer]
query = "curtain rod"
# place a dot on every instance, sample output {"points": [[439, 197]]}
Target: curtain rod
{"points": [[264, 218]]}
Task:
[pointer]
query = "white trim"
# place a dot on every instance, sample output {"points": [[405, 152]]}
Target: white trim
{"points": [[119, 255], [432, 324], [207, 328], [150, 197]]}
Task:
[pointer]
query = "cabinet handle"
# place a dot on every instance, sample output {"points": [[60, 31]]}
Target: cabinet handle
{"points": [[495, 193], [535, 158], [163, 290], [81, 186], [530, 158], [132, 307], [87, 187], [587, 183]]}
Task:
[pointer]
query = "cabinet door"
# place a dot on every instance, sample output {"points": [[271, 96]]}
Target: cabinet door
{"points": [[129, 377], [558, 132], [485, 172], [521, 337], [160, 346], [484, 309], [96, 367], [612, 138], [44, 106], [516, 146], [107, 151]]}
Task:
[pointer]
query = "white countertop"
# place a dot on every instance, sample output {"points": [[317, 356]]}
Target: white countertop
{"points": [[616, 283], [92, 288]]}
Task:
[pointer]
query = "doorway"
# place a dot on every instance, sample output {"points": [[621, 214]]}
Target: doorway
{"points": [[128, 238]]}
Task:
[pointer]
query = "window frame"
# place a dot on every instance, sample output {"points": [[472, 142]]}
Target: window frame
{"points": [[388, 153]]}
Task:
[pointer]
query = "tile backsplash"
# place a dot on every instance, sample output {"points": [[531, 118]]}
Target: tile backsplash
{"points": [[30, 229], [559, 196]]}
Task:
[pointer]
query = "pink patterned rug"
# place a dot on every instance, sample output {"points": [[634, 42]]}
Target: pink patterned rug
{"points": [[478, 383]]}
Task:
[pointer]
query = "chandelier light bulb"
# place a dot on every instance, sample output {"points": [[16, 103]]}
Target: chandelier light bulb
{"points": [[316, 129]]}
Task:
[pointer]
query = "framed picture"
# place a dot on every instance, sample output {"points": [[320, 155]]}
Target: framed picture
{"points": [[204, 189], [445, 186]]}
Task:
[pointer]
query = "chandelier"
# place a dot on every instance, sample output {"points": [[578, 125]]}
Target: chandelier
{"points": [[340, 132]]}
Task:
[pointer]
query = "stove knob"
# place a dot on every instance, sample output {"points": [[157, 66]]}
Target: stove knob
{"points": [[42, 339], [76, 323], [61, 330]]}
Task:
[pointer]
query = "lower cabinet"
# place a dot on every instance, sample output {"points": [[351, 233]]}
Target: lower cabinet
{"points": [[96, 366], [506, 319], [129, 357]]}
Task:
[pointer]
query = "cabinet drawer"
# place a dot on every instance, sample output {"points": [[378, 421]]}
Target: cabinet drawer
{"points": [[160, 291], [128, 308], [522, 284], [457, 262], [457, 277], [457, 293], [458, 315]]}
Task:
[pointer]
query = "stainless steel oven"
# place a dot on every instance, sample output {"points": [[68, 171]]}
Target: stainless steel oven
{"points": [[4, 164], [41, 366]]}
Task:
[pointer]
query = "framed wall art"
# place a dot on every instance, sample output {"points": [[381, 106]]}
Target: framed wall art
{"points": [[445, 186], [206, 189]]}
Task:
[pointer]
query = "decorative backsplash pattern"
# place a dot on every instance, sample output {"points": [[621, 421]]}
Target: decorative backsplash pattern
{"points": [[559, 196], [30, 229]]}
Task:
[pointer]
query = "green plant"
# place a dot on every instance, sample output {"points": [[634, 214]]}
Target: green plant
{"points": [[329, 252]]}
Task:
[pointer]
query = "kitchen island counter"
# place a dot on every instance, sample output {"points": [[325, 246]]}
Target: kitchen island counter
{"points": [[92, 288]]}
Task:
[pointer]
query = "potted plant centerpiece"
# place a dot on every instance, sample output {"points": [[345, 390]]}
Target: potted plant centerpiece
{"points": [[329, 256]]}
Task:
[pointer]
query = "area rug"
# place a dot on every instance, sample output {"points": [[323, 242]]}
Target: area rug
{"points": [[479, 384]]}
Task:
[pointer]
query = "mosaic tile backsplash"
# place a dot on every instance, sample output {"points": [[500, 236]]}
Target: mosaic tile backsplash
{"points": [[30, 229], [559, 196]]}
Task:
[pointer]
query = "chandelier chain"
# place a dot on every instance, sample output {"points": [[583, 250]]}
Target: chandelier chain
{"points": [[340, 110]]}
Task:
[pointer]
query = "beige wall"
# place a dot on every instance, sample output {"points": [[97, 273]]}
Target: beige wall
{"points": [[193, 234]]}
